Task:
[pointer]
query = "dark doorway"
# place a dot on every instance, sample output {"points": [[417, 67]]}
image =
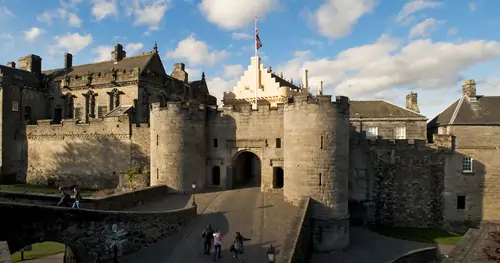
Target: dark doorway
{"points": [[27, 115], [57, 115], [216, 175], [246, 170], [278, 177]]}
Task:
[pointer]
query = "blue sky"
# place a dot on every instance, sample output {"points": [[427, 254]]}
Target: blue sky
{"points": [[365, 49]]}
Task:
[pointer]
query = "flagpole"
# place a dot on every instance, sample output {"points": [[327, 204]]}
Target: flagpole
{"points": [[258, 66]]}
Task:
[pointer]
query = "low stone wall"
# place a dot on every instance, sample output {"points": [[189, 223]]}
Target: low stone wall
{"points": [[423, 255], [299, 244], [5, 256], [85, 231], [118, 201]]}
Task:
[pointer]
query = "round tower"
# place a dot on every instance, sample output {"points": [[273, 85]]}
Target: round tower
{"points": [[316, 162], [178, 146]]}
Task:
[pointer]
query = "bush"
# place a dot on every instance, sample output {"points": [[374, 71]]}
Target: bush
{"points": [[104, 192]]}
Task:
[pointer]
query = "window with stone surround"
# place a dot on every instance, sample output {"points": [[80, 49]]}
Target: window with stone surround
{"points": [[467, 165], [216, 142], [400, 133], [278, 142], [78, 113], [101, 111], [372, 133], [15, 105], [461, 202]]}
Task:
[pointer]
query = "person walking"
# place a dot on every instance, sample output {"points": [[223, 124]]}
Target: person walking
{"points": [[207, 235], [65, 198], [217, 244], [237, 246], [78, 197]]}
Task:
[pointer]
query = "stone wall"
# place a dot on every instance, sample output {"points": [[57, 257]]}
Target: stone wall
{"points": [[299, 240], [416, 128], [90, 155], [423, 255], [5, 256], [119, 201], [398, 183], [85, 230]]}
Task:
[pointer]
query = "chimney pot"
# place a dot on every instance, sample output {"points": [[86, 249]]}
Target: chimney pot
{"points": [[118, 54], [68, 61], [469, 89], [320, 88], [11, 64], [412, 102], [305, 79]]}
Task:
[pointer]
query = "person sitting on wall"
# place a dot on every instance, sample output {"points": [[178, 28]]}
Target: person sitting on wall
{"points": [[65, 198], [78, 197]]}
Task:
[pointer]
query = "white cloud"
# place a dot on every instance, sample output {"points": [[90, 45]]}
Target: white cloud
{"points": [[233, 71], [194, 74], [133, 48], [452, 31], [217, 86], [472, 5], [197, 52], [405, 16], [4, 11], [32, 33], [387, 65], [232, 14], [45, 17], [71, 43], [148, 12], [335, 18], [104, 8], [71, 18], [423, 28], [239, 36]]}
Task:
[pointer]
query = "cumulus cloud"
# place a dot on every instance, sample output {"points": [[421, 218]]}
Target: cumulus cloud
{"points": [[405, 16], [148, 12], [335, 18], [423, 28], [32, 33], [4, 11], [218, 86], [231, 14], [71, 18], [388, 64], [103, 52], [104, 8], [71, 43], [233, 71], [197, 52]]}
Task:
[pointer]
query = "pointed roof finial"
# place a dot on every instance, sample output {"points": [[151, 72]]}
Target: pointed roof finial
{"points": [[155, 48], [203, 75]]}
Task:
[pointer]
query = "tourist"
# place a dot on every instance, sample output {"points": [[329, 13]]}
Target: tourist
{"points": [[217, 244], [237, 247], [65, 198], [78, 197], [208, 235]]}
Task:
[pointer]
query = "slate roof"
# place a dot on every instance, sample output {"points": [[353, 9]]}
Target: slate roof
{"points": [[380, 109], [483, 111], [19, 75], [140, 61], [283, 82]]}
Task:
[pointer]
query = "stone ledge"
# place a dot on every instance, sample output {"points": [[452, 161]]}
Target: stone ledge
{"points": [[5, 256], [298, 245]]}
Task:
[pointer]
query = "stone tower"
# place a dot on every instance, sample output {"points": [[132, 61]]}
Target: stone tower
{"points": [[178, 145], [316, 161]]}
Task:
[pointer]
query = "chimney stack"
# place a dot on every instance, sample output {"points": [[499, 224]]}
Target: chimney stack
{"points": [[180, 72], [11, 64], [31, 63], [469, 89], [305, 80], [118, 54], [320, 88], [412, 103], [68, 61]]}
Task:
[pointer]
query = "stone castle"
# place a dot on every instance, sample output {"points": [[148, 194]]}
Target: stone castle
{"points": [[360, 161]]}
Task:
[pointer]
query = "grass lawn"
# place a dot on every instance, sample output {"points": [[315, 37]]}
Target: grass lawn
{"points": [[36, 189], [426, 235], [40, 250]]}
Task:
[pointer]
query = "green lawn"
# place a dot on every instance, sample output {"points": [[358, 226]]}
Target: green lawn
{"points": [[426, 235], [40, 250], [35, 189]]}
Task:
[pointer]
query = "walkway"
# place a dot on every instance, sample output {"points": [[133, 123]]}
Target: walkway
{"points": [[263, 217], [370, 247]]}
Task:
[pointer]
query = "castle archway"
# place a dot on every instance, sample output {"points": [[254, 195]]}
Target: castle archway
{"points": [[246, 171]]}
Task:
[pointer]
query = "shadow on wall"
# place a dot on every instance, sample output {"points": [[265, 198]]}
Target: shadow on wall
{"points": [[15, 163], [411, 183], [89, 162]]}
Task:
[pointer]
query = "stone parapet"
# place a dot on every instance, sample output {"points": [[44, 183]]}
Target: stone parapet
{"points": [[5, 256], [423, 255], [298, 244]]}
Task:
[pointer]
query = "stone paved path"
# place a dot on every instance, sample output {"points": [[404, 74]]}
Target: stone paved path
{"points": [[370, 247], [263, 217]]}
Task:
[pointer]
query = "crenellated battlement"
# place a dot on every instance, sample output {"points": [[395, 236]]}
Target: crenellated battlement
{"points": [[247, 108], [341, 103], [177, 106]]}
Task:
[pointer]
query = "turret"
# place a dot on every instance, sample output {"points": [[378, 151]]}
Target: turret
{"points": [[316, 161]]}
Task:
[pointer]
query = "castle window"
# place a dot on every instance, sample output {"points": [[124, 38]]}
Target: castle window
{"points": [[216, 142], [278, 178], [101, 111], [157, 138], [320, 183], [216, 175], [278, 143], [321, 143], [461, 202], [467, 165], [78, 113], [157, 174], [400, 133], [15, 105], [372, 133]]}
